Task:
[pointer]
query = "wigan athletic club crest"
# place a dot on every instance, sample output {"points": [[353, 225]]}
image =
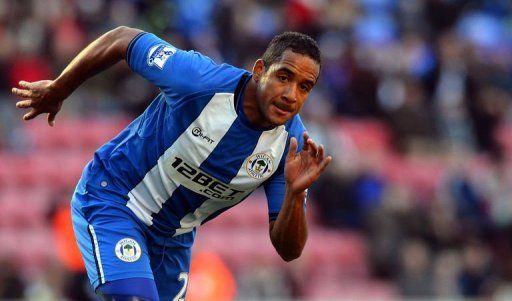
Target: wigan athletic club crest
{"points": [[128, 250], [260, 166]]}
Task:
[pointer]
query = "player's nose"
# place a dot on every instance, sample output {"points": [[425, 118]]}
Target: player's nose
{"points": [[290, 93]]}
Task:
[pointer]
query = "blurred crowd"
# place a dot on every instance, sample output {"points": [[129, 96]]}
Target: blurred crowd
{"points": [[414, 103]]}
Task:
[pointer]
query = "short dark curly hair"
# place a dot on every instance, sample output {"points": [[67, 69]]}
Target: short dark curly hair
{"points": [[296, 42]]}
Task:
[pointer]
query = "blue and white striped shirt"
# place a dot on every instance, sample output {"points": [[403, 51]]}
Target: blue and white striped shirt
{"points": [[192, 154]]}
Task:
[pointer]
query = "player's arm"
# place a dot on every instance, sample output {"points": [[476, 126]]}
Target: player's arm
{"points": [[47, 96], [289, 231]]}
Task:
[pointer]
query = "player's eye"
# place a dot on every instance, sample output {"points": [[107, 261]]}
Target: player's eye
{"points": [[305, 88], [283, 77]]}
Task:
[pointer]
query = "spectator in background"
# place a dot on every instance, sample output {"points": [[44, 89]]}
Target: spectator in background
{"points": [[336, 208], [412, 120], [450, 90], [415, 277], [211, 278], [476, 278], [11, 284]]}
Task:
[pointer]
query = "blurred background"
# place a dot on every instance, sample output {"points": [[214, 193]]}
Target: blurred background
{"points": [[414, 103]]}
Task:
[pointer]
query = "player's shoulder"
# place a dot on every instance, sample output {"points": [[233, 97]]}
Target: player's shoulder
{"points": [[202, 73], [182, 71], [295, 127]]}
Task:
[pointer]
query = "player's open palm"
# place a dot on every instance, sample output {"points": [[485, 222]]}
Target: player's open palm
{"points": [[41, 97], [303, 168]]}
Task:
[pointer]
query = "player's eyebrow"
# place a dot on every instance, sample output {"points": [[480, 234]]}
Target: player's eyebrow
{"points": [[292, 73], [286, 70]]}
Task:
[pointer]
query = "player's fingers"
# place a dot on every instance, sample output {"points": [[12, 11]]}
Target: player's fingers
{"points": [[293, 148], [324, 164], [51, 119], [26, 84], [22, 92], [321, 152], [27, 103], [312, 147], [305, 138], [31, 115]]}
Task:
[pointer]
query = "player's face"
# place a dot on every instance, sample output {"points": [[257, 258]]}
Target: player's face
{"points": [[283, 89]]}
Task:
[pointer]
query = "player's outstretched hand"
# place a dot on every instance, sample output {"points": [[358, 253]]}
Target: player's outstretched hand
{"points": [[41, 97], [303, 168]]}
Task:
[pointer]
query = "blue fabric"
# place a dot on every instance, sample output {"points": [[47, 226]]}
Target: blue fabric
{"points": [[177, 72], [188, 81], [162, 261], [123, 298], [174, 209], [238, 144], [185, 78], [129, 289], [275, 186], [111, 224]]}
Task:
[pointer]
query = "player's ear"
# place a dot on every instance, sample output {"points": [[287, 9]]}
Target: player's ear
{"points": [[258, 69]]}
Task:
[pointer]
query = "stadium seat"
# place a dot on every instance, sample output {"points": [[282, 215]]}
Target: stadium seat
{"points": [[329, 288], [367, 135], [73, 133], [31, 249], [23, 208]]}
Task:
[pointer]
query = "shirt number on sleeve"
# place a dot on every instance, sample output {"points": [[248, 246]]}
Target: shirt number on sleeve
{"points": [[181, 294]]}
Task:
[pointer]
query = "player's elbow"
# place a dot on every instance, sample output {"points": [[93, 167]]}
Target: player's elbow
{"points": [[287, 245], [290, 255], [122, 31], [288, 252], [120, 37]]}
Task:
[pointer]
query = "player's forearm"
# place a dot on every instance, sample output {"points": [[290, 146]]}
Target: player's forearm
{"points": [[102, 53], [289, 232]]}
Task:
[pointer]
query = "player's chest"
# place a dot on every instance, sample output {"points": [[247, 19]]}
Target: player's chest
{"points": [[217, 155], [224, 162]]}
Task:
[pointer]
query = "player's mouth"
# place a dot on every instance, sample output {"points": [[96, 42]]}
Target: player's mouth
{"points": [[281, 109]]}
